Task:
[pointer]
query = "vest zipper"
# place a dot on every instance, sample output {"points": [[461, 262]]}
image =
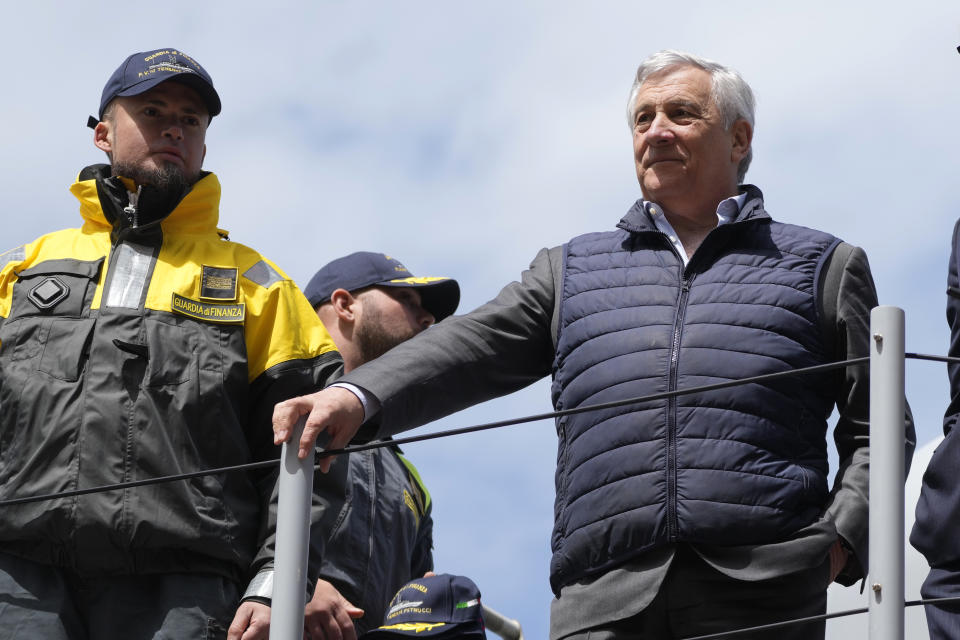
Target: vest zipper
{"points": [[672, 524]]}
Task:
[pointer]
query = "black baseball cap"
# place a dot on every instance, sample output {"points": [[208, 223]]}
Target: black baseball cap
{"points": [[145, 70], [439, 295], [440, 607]]}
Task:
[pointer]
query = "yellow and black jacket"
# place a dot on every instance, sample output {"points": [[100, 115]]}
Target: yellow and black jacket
{"points": [[141, 345]]}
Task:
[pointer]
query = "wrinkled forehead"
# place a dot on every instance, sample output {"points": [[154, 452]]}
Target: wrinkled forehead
{"points": [[679, 78], [681, 84]]}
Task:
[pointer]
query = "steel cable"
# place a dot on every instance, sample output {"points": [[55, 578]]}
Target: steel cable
{"points": [[472, 429], [824, 616]]}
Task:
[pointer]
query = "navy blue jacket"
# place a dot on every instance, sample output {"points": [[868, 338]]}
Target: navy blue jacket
{"points": [[938, 509]]}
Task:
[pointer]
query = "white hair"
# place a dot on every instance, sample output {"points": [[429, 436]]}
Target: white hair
{"points": [[730, 92]]}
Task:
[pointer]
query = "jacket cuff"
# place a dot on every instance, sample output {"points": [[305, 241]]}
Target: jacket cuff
{"points": [[260, 588], [853, 569]]}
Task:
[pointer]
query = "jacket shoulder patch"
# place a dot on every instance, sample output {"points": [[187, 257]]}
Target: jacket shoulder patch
{"points": [[218, 283], [263, 274], [14, 255], [208, 311]]}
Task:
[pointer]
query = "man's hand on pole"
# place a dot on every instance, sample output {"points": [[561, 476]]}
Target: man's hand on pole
{"points": [[334, 410], [251, 622], [329, 616]]}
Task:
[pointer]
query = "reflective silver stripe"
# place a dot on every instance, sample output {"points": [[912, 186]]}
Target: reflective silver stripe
{"points": [[130, 268], [261, 586], [263, 274], [13, 255]]}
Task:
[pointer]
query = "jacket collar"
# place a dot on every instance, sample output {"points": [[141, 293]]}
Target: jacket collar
{"points": [[198, 211], [637, 220]]}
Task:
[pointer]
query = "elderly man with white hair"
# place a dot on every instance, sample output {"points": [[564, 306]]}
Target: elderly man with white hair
{"points": [[688, 514]]}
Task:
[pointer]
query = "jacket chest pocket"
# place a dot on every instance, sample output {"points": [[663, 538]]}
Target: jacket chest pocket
{"points": [[62, 288], [172, 351], [44, 348], [49, 324]]}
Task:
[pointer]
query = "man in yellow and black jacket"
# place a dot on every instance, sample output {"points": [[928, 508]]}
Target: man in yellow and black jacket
{"points": [[142, 344]]}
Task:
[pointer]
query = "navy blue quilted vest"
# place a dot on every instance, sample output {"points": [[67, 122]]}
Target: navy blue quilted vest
{"points": [[744, 465]]}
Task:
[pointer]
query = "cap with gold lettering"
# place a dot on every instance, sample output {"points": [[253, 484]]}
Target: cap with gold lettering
{"points": [[439, 295], [440, 607], [145, 70]]}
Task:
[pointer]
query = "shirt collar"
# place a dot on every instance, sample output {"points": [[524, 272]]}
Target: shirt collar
{"points": [[727, 212]]}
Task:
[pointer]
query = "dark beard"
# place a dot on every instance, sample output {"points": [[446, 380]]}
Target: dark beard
{"points": [[373, 340], [168, 179], [163, 189]]}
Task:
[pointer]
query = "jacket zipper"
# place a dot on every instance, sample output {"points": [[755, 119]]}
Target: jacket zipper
{"points": [[372, 470], [132, 218], [131, 208], [132, 214], [672, 525]]}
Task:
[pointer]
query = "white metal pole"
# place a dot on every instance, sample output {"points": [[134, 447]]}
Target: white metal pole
{"points": [[293, 531], [886, 473], [501, 625]]}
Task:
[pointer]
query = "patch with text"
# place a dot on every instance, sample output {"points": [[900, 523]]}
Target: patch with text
{"points": [[222, 313], [218, 283]]}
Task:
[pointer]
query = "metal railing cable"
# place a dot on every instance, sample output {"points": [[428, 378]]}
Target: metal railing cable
{"points": [[767, 377], [71, 493], [462, 430], [824, 616]]}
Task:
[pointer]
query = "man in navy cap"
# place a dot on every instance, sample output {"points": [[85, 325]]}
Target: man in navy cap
{"points": [[376, 529], [391, 304], [144, 344]]}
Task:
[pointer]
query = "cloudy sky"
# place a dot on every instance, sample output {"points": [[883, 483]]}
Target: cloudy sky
{"points": [[462, 137]]}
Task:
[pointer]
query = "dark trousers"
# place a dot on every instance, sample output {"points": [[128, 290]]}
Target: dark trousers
{"points": [[40, 601], [695, 599], [943, 620]]}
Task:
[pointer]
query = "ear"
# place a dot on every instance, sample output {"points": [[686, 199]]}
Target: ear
{"points": [[344, 305], [742, 134], [101, 137]]}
